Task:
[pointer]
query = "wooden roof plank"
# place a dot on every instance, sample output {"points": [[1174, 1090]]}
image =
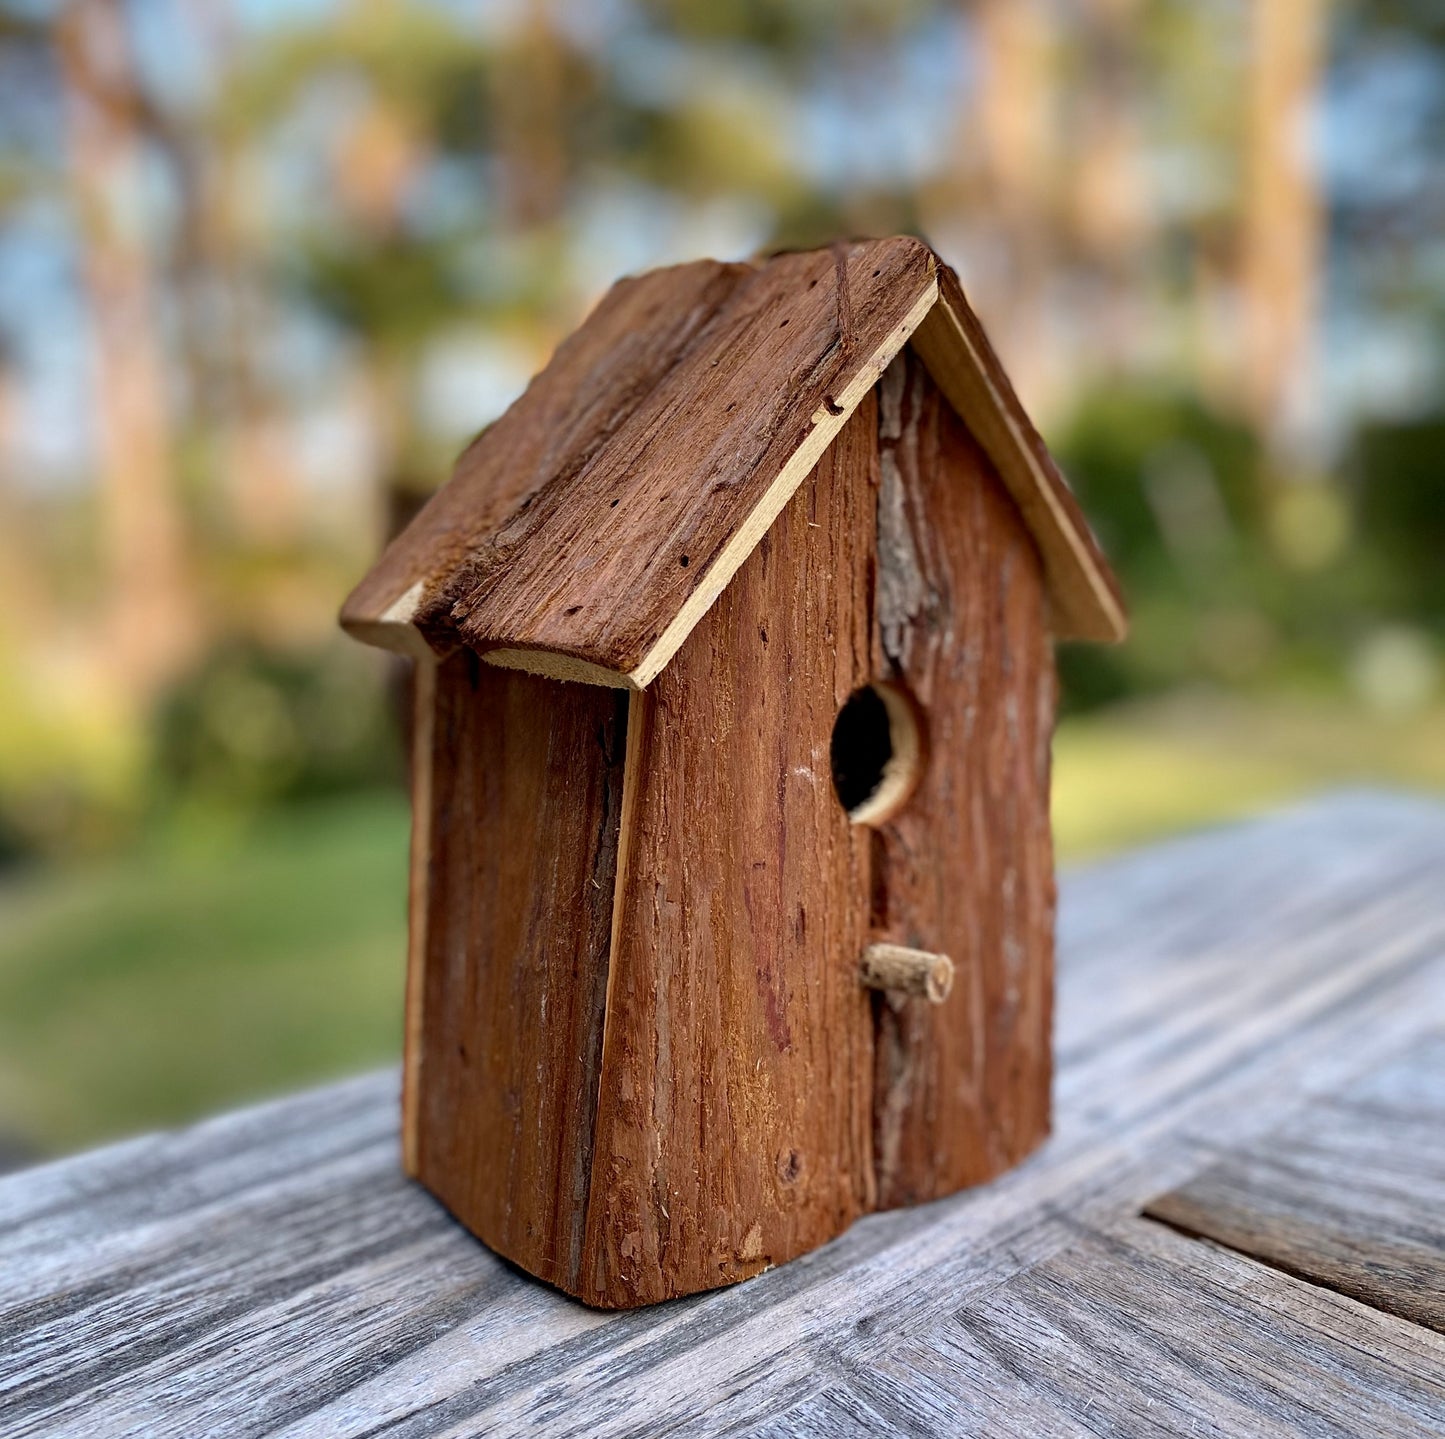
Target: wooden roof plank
{"points": [[616, 561], [631, 341], [586, 533]]}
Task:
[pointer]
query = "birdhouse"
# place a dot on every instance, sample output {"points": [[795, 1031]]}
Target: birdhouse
{"points": [[732, 891]]}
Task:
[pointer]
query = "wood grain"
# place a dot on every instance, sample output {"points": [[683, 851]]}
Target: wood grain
{"points": [[1351, 1196], [587, 531], [966, 867], [733, 1126], [526, 798], [1136, 1330], [270, 1271], [610, 555], [739, 862], [632, 340]]}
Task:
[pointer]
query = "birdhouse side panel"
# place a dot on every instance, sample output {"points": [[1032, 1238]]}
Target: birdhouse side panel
{"points": [[524, 803], [734, 1129], [966, 867]]}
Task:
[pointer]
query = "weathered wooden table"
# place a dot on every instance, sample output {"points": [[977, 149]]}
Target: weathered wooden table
{"points": [[1239, 1226]]}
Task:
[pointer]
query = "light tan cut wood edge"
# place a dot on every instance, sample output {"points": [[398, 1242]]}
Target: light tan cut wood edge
{"points": [[908, 973], [1086, 605], [555, 666], [394, 629], [424, 687], [637, 723]]}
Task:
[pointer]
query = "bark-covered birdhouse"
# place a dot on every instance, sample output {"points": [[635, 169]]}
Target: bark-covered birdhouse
{"points": [[732, 893]]}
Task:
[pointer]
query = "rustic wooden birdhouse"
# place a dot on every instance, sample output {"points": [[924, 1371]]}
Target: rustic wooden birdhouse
{"points": [[732, 894]]}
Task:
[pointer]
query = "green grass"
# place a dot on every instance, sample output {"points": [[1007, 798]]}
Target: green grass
{"points": [[1142, 772], [213, 966], [218, 964]]}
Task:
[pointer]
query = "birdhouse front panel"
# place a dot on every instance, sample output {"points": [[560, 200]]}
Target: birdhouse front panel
{"points": [[735, 1126], [732, 889]]}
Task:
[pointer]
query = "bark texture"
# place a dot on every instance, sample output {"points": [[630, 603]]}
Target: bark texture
{"points": [[525, 805], [735, 1114], [966, 867]]}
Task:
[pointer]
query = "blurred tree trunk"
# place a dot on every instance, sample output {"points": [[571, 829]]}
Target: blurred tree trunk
{"points": [[1010, 134], [527, 112], [1108, 203], [225, 313], [527, 103], [151, 617], [1282, 237], [374, 163], [25, 613], [259, 462]]}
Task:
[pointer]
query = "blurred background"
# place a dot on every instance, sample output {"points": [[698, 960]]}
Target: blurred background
{"points": [[265, 265]]}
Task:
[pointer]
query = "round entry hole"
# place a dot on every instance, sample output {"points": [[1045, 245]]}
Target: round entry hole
{"points": [[877, 752]]}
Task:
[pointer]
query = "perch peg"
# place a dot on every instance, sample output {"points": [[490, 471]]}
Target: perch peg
{"points": [[908, 973]]}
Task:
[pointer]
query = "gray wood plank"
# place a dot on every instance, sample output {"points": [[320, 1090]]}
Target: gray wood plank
{"points": [[832, 1413], [1351, 1195], [1143, 1331], [270, 1272]]}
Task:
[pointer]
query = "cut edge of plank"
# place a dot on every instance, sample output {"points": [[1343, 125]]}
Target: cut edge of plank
{"points": [[1085, 604], [424, 686], [553, 665], [626, 823], [395, 628]]}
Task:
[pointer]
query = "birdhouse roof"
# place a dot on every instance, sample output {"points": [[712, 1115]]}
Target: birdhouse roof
{"points": [[587, 531]]}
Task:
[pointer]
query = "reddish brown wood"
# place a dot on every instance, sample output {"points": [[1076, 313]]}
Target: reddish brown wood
{"points": [[641, 1058], [525, 803], [647, 1098], [425, 761], [735, 1110], [966, 868], [629, 343], [586, 533], [609, 553]]}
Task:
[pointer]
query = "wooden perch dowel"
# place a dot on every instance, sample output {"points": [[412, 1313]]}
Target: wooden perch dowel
{"points": [[912, 972]]}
